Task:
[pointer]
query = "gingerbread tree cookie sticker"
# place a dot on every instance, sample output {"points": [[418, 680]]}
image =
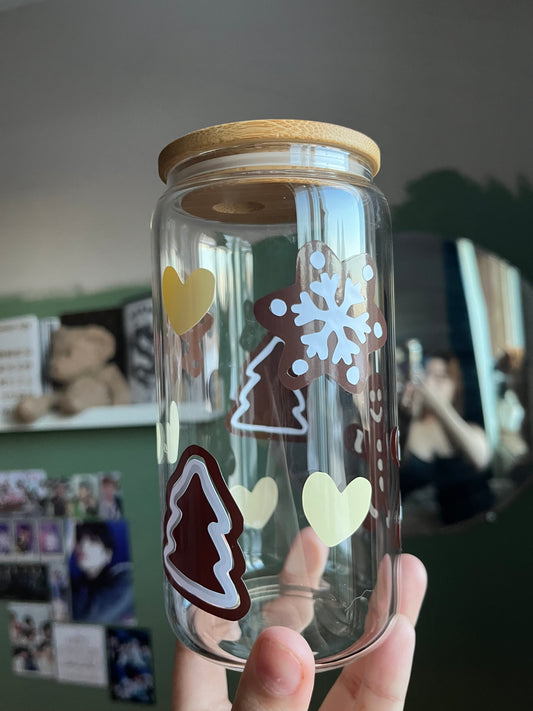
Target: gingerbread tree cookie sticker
{"points": [[328, 319], [201, 556], [264, 408]]}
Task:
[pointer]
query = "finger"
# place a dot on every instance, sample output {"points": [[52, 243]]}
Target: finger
{"points": [[384, 672], [279, 673], [303, 568], [213, 630], [378, 681], [305, 561], [386, 677], [413, 584], [197, 683]]}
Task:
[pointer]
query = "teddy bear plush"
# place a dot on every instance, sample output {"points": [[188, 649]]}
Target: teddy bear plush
{"points": [[82, 374]]}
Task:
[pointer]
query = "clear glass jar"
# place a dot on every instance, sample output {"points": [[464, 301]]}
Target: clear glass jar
{"points": [[277, 432]]}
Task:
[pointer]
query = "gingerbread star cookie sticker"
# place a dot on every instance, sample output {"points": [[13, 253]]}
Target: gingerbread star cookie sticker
{"points": [[328, 319], [192, 355]]}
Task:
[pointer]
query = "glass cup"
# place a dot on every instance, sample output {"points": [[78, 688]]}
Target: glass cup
{"points": [[277, 432]]}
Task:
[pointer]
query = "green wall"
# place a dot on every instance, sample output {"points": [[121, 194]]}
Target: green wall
{"points": [[132, 451]]}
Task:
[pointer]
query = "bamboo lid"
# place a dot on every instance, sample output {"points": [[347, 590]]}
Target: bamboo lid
{"points": [[242, 133]]}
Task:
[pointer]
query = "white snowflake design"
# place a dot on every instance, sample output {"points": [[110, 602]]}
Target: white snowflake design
{"points": [[334, 317], [328, 319]]}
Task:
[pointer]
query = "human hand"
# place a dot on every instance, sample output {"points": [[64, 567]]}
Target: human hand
{"points": [[411, 400], [280, 671], [428, 392]]}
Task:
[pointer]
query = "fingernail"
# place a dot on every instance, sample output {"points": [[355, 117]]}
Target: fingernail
{"points": [[278, 669]]}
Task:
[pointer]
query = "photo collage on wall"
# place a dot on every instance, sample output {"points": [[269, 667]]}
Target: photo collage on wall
{"points": [[66, 574]]}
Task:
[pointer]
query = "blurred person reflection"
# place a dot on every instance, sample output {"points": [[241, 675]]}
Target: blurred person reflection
{"points": [[440, 447]]}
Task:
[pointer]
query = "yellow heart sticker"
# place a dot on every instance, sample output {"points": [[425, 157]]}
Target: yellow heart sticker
{"points": [[335, 515], [258, 505], [160, 441], [187, 303]]}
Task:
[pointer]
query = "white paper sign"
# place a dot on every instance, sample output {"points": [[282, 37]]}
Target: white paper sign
{"points": [[20, 361], [81, 654]]}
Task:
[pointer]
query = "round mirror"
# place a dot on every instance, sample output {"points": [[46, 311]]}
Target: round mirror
{"points": [[463, 319]]}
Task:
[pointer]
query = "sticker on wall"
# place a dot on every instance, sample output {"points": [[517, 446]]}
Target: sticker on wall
{"points": [[187, 303], [372, 444], [328, 319], [335, 515], [258, 505], [201, 556], [192, 360], [265, 408]]}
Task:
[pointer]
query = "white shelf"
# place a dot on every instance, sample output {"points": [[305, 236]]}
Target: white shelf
{"points": [[95, 418]]}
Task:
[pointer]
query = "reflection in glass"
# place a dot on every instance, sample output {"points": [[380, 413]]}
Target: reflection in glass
{"points": [[464, 380]]}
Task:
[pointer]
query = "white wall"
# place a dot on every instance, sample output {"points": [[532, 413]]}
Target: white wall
{"points": [[91, 91]]}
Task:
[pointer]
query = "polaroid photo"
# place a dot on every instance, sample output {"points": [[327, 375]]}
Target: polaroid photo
{"points": [[84, 490], [30, 636], [22, 492], [130, 665], [7, 543], [81, 654], [50, 536], [58, 503], [101, 572], [110, 497], [26, 540]]}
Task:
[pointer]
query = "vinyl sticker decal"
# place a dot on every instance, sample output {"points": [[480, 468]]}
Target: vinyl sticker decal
{"points": [[168, 438], [335, 515], [265, 408], [257, 506], [201, 557], [373, 445], [192, 359], [328, 319], [187, 303]]}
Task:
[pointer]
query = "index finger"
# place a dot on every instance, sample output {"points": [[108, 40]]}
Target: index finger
{"points": [[413, 583], [379, 679]]}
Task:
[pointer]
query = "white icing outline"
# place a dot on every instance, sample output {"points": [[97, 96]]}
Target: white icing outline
{"points": [[376, 416], [244, 406], [217, 530]]}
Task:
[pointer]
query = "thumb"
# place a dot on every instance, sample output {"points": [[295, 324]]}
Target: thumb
{"points": [[279, 674]]}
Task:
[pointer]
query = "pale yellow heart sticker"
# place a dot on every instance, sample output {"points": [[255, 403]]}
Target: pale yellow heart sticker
{"points": [[257, 506], [335, 515], [187, 303], [173, 434]]}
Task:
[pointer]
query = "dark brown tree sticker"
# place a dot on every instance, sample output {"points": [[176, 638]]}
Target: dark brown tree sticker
{"points": [[201, 556]]}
